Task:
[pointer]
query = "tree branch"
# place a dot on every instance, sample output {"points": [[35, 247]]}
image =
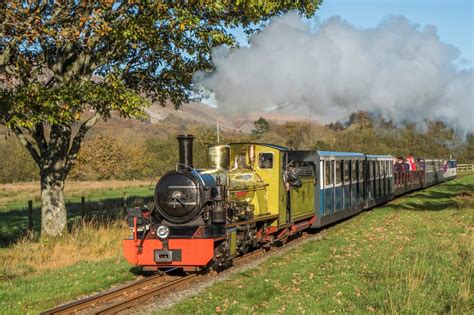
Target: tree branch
{"points": [[38, 135], [78, 138], [28, 145]]}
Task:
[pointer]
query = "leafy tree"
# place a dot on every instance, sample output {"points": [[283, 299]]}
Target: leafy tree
{"points": [[261, 126], [204, 137], [105, 157], [64, 65], [466, 154], [162, 155]]}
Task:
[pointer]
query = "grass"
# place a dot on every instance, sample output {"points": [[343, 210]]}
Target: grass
{"points": [[414, 255], [38, 275], [36, 293], [402, 258], [102, 198], [16, 196]]}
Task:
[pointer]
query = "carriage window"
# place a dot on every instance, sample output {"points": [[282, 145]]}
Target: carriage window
{"points": [[362, 165], [338, 172], [265, 160], [378, 169], [328, 172], [346, 171], [361, 171], [354, 170]]}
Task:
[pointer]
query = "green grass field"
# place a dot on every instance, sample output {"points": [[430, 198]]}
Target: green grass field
{"points": [[414, 255], [16, 196], [35, 276], [104, 198]]}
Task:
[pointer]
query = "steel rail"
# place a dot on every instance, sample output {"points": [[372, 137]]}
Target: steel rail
{"points": [[78, 305], [143, 296]]}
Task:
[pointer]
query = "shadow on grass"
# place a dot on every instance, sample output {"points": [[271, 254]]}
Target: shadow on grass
{"points": [[437, 198], [14, 223]]}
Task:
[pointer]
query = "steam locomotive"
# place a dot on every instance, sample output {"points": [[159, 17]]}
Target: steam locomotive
{"points": [[257, 195]]}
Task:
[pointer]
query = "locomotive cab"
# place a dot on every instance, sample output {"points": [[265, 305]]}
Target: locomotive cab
{"points": [[206, 217]]}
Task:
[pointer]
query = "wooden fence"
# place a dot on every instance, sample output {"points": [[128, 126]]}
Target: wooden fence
{"points": [[465, 167], [107, 208]]}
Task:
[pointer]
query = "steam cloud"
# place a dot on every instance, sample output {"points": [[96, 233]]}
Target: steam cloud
{"points": [[397, 69]]}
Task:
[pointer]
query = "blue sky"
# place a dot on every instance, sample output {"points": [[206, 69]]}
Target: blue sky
{"points": [[454, 19]]}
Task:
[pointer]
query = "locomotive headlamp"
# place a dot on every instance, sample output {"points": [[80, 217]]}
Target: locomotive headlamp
{"points": [[162, 231]]}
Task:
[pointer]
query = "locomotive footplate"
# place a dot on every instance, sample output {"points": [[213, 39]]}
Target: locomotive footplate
{"points": [[165, 255]]}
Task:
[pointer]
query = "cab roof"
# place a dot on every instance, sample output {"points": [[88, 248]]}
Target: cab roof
{"points": [[340, 154], [375, 156], [273, 146]]}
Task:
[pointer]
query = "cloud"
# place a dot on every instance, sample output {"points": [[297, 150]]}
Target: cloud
{"points": [[398, 69]]}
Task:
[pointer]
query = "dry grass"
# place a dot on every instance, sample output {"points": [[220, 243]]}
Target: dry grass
{"points": [[75, 186], [88, 241]]}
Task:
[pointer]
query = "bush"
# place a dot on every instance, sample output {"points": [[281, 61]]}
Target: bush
{"points": [[16, 162], [104, 157]]}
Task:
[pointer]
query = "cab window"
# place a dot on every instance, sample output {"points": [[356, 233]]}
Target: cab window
{"points": [[265, 160]]}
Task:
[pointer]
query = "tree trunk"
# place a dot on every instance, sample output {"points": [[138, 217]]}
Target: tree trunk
{"points": [[55, 158], [53, 208]]}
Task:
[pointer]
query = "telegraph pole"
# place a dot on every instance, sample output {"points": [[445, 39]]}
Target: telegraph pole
{"points": [[218, 131]]}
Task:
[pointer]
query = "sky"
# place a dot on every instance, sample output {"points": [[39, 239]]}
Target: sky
{"points": [[453, 19]]}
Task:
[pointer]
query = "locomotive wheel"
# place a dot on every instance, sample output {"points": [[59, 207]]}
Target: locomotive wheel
{"points": [[266, 247], [282, 241]]}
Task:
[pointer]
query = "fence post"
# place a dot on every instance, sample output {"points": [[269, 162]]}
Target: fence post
{"points": [[83, 207], [125, 204], [30, 215]]}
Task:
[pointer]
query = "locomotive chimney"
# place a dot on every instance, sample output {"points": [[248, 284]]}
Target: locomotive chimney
{"points": [[186, 149]]}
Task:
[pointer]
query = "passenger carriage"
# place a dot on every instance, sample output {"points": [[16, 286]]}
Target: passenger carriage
{"points": [[380, 181]]}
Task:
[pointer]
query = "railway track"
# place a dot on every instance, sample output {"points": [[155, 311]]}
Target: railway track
{"points": [[138, 292], [124, 297], [121, 298]]}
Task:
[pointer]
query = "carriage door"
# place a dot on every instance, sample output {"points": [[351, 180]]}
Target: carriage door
{"points": [[328, 187]]}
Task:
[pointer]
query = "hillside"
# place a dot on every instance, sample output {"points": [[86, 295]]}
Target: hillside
{"points": [[165, 121]]}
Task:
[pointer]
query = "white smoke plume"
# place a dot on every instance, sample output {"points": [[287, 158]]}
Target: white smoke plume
{"points": [[398, 70]]}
